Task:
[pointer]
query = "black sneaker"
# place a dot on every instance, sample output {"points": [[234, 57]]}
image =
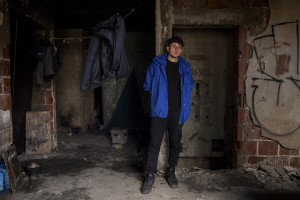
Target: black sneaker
{"points": [[171, 178], [148, 183]]}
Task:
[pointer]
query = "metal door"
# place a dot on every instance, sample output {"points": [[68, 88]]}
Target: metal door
{"points": [[209, 53]]}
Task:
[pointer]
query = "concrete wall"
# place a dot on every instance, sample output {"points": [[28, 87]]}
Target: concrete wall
{"points": [[77, 108], [74, 107], [6, 132]]}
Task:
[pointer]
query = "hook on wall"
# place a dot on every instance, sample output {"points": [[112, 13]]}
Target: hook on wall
{"points": [[129, 13]]}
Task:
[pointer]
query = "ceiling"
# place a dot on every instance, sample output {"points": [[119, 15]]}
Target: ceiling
{"points": [[85, 14]]}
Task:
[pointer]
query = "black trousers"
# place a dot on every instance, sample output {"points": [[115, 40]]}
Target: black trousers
{"points": [[158, 127]]}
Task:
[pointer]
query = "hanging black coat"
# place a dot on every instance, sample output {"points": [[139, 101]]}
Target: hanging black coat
{"points": [[106, 55], [48, 59]]}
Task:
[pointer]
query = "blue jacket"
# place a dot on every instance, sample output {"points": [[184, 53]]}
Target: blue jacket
{"points": [[156, 82]]}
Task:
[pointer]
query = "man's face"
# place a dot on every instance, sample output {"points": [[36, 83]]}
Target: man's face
{"points": [[174, 50]]}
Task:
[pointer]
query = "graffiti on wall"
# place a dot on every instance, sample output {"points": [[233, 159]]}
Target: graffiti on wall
{"points": [[275, 81]]}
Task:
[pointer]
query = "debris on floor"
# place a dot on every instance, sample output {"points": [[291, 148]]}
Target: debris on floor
{"points": [[117, 146], [85, 167]]}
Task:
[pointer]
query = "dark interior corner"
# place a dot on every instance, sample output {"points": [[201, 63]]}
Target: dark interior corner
{"points": [[86, 14], [22, 70]]}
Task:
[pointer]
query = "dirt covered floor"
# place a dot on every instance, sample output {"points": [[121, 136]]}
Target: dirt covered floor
{"points": [[85, 166]]}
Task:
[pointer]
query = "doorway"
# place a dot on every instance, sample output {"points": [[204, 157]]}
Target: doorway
{"points": [[206, 137], [22, 71]]}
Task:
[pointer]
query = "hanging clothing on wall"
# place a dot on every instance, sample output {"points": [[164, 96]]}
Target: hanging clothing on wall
{"points": [[106, 55], [48, 59]]}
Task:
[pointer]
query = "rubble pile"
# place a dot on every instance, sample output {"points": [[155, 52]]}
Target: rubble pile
{"points": [[255, 176], [286, 178]]}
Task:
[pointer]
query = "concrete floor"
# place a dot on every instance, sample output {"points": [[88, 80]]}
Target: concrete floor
{"points": [[85, 166]]}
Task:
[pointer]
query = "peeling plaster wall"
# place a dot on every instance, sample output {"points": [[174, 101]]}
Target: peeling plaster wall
{"points": [[273, 76]]}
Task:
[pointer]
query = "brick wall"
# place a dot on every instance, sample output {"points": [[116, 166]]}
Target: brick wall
{"points": [[6, 132], [43, 100], [249, 146]]}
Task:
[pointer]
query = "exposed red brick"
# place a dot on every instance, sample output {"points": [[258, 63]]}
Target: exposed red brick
{"points": [[242, 116], [242, 35], [256, 159], [268, 148], [240, 99], [239, 3], [6, 84], [278, 161], [1, 85], [254, 133], [195, 4], [5, 102], [4, 68], [51, 127], [249, 148], [249, 133], [49, 98], [217, 4], [213, 3], [240, 133], [239, 83], [48, 82], [245, 50], [250, 136], [240, 67], [259, 3], [6, 136], [224, 4], [6, 52], [50, 108], [255, 129], [285, 151], [177, 3], [295, 162]]}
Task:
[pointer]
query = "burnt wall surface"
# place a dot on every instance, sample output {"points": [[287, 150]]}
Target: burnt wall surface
{"points": [[95, 107], [75, 108], [6, 132], [43, 100]]}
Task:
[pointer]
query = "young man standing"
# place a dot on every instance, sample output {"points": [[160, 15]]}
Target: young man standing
{"points": [[170, 82]]}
